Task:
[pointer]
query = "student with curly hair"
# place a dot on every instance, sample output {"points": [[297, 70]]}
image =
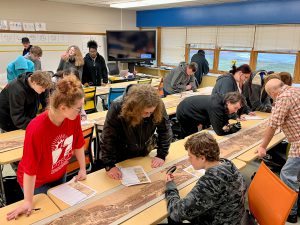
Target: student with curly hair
{"points": [[51, 139], [129, 129], [72, 58], [94, 69], [218, 196]]}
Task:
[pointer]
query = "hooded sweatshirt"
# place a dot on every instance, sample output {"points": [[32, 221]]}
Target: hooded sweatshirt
{"points": [[203, 66], [18, 104], [177, 80], [217, 198], [17, 67]]}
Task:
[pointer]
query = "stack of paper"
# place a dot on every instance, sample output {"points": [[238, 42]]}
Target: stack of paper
{"points": [[134, 175], [72, 192]]}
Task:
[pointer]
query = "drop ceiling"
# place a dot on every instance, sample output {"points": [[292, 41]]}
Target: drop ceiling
{"points": [[105, 3]]}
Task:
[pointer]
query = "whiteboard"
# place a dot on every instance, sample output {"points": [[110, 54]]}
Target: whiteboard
{"points": [[53, 46]]}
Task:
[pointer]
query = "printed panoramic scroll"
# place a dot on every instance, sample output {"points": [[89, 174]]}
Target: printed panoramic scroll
{"points": [[12, 143]]}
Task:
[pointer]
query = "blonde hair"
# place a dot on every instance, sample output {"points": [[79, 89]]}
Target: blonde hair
{"points": [[78, 56], [140, 97], [67, 91]]}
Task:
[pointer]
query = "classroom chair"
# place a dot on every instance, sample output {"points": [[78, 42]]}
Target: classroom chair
{"points": [[98, 164], [270, 200], [113, 94], [144, 81], [90, 99], [113, 68], [73, 166]]}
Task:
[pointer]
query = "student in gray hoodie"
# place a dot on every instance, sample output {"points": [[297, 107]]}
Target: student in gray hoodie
{"points": [[218, 196], [181, 79]]}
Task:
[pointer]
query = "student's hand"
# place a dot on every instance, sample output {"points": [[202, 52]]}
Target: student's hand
{"points": [[188, 87], [261, 151], [86, 84], [252, 114], [169, 177], [157, 162], [81, 175], [241, 118], [114, 173], [103, 84], [25, 208]]}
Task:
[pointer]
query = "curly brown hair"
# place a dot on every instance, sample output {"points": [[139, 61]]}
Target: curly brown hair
{"points": [[42, 78], [68, 90], [203, 144], [138, 98]]}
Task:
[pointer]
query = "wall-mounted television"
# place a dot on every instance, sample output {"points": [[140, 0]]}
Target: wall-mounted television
{"points": [[131, 45]]}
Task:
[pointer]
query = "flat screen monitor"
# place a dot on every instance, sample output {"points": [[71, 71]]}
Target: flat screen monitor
{"points": [[131, 46]]}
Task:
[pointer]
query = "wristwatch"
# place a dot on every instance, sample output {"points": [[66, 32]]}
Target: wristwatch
{"points": [[107, 168]]}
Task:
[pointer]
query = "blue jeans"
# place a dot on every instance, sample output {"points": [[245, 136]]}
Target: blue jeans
{"points": [[289, 174], [44, 188]]}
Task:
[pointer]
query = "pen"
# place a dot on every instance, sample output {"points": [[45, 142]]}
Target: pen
{"points": [[36, 209]]}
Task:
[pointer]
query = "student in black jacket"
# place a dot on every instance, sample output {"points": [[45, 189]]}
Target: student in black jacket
{"points": [[203, 66], [94, 69], [129, 129], [199, 112], [19, 100]]}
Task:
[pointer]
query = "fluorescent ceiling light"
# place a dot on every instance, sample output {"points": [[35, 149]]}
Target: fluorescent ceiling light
{"points": [[132, 4]]}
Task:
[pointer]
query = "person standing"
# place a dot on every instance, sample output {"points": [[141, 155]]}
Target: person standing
{"points": [[286, 116], [26, 44], [19, 100], [72, 58], [51, 139], [203, 66], [180, 79], [218, 196], [94, 69], [34, 55], [130, 127]]}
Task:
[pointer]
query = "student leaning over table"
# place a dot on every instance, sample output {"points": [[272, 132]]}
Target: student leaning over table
{"points": [[199, 112], [218, 196], [129, 129], [286, 116], [50, 141], [19, 100]]}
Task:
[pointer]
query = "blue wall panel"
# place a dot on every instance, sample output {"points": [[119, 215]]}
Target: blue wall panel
{"points": [[240, 13]]}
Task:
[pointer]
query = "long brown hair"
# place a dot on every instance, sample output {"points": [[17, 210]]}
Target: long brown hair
{"points": [[78, 56], [139, 97]]}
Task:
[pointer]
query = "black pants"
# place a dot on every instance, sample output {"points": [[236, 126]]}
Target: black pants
{"points": [[188, 127]]}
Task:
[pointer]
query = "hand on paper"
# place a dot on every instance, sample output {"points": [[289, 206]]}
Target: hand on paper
{"points": [[81, 175], [188, 87], [114, 173], [252, 114], [261, 151], [169, 177], [157, 162], [25, 208], [241, 118]]}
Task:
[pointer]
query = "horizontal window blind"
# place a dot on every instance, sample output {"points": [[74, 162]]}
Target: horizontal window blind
{"points": [[205, 36], [173, 45]]}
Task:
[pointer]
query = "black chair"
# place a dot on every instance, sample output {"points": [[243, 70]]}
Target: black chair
{"points": [[113, 68], [98, 164]]}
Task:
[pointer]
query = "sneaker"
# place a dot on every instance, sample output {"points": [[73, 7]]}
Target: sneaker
{"points": [[292, 218]]}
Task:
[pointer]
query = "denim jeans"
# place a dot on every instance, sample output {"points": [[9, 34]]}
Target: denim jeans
{"points": [[44, 188], [288, 175]]}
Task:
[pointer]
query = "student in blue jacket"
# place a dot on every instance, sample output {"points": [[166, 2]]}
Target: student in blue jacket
{"points": [[17, 67]]}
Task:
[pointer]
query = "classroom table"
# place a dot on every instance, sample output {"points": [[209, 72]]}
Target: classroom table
{"points": [[42, 201], [101, 182]]}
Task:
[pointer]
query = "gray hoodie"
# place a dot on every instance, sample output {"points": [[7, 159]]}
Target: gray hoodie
{"points": [[217, 198], [177, 80]]}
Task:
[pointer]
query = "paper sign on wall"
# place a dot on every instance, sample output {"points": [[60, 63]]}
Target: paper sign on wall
{"points": [[3, 25], [15, 25], [40, 26], [28, 27]]}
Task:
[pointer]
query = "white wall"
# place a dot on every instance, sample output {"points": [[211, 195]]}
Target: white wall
{"points": [[59, 17]]}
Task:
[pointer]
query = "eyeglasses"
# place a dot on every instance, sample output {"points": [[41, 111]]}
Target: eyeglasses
{"points": [[77, 109]]}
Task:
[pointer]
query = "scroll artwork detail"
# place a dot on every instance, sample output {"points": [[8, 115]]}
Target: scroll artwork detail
{"points": [[10, 144], [117, 207]]}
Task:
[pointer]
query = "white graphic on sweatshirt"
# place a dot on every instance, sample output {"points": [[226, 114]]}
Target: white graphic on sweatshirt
{"points": [[61, 152]]}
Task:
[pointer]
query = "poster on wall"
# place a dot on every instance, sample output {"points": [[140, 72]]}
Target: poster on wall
{"points": [[40, 26], [28, 26], [3, 25], [15, 25]]}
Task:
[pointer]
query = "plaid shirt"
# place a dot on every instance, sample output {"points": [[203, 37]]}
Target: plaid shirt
{"points": [[286, 115]]}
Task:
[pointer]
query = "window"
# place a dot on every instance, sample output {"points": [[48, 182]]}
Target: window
{"points": [[276, 62], [209, 55], [227, 57]]}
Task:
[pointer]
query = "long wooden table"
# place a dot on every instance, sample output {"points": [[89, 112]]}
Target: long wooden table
{"points": [[42, 201]]}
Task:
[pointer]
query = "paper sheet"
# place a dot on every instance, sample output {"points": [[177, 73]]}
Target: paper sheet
{"points": [[73, 192], [247, 117], [134, 175], [196, 173]]}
